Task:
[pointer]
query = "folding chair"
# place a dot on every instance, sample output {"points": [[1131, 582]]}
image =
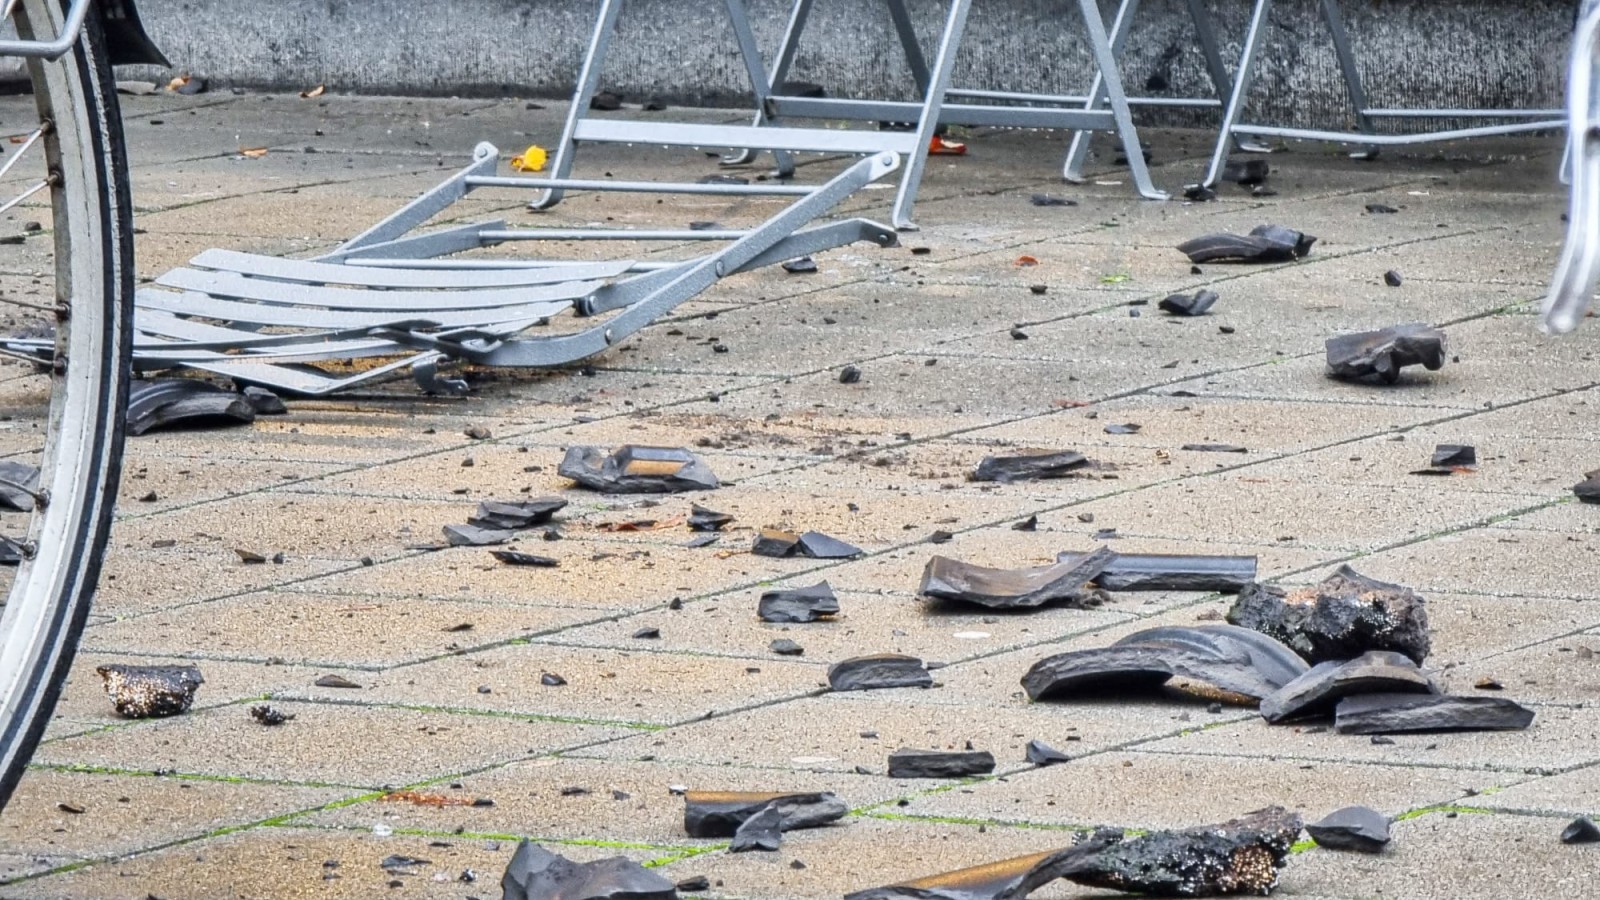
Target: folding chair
{"points": [[769, 133], [1578, 269], [412, 300], [1523, 120]]}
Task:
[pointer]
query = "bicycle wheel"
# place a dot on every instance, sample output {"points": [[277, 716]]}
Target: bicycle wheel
{"points": [[65, 190]]}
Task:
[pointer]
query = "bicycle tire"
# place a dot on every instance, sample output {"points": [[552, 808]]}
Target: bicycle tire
{"points": [[80, 459]]}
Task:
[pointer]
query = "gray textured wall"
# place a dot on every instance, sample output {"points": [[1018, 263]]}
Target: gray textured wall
{"points": [[1473, 53]]}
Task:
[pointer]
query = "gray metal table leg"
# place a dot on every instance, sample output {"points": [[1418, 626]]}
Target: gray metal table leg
{"points": [[1078, 151], [1352, 76], [760, 82], [908, 42], [1573, 285], [1106, 61], [798, 17], [933, 104], [1212, 51], [605, 25], [1241, 88]]}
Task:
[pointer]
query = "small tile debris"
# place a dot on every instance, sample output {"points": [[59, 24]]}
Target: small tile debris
{"points": [[19, 482], [1319, 689], [1051, 200], [478, 432], [186, 402], [637, 470], [816, 545], [1264, 244], [761, 831], [1396, 713], [703, 519], [1031, 523], [605, 101], [1123, 428], [336, 681], [1250, 665], [807, 604], [1380, 209], [1215, 448], [1196, 304], [805, 265], [518, 558], [1382, 354], [879, 671], [1340, 618], [473, 536], [951, 580], [1580, 831], [535, 873], [774, 543], [850, 375], [1029, 465], [516, 515], [150, 692], [1198, 193], [551, 679], [714, 814], [266, 715], [647, 634], [908, 763], [786, 647], [1246, 172], [1356, 828], [1392, 278], [1041, 754], [1243, 856], [1588, 490], [265, 402], [249, 557]]}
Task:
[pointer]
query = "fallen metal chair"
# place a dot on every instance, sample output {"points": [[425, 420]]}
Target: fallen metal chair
{"points": [[1578, 269], [412, 298]]}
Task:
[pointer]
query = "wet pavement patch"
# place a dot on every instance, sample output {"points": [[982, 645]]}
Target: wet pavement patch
{"points": [[1340, 618], [149, 692], [637, 470], [1384, 353]]}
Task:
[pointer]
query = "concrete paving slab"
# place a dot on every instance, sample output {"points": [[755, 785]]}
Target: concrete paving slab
{"points": [[139, 578], [1502, 561], [1198, 789], [397, 746], [1570, 794]]}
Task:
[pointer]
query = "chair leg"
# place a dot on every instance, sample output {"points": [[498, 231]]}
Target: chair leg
{"points": [[1241, 89], [605, 26], [1578, 270], [1078, 151], [1352, 76], [932, 107], [1106, 61], [761, 83]]}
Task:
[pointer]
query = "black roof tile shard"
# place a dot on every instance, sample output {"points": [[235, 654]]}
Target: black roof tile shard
{"points": [[514, 515], [535, 873], [150, 692], [1398, 713], [1355, 828], [18, 483], [713, 814], [1041, 754], [775, 543], [518, 558], [188, 402], [1163, 572], [1066, 583], [1236, 661], [265, 402], [1319, 689], [473, 536], [1580, 831], [1002, 880], [11, 552], [806, 604], [1264, 244], [1340, 618], [1449, 456], [702, 519], [637, 470], [1384, 353], [816, 545], [883, 670], [1588, 490], [761, 831], [1028, 465], [908, 763], [1196, 304]]}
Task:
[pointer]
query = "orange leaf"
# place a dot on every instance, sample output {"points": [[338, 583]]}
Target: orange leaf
{"points": [[1026, 261], [941, 147], [317, 91], [253, 152]]}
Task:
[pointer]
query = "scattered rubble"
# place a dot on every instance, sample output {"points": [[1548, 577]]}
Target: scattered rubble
{"points": [[336, 681], [473, 536], [1264, 244], [1384, 353], [19, 482], [11, 552], [1140, 666], [1276, 663], [1397, 713], [1164, 572], [1196, 304], [906, 763], [1051, 200], [1066, 583], [1318, 690], [1215, 448], [265, 402], [1352, 828], [774, 543], [150, 692], [518, 558], [814, 544], [1393, 278], [1004, 880], [805, 265], [1381, 209], [188, 402], [714, 814], [266, 715], [1341, 618], [884, 670], [637, 470], [535, 873], [786, 647], [515, 515], [1041, 754], [806, 604], [1455, 456], [1242, 856], [1123, 428], [1027, 465], [1580, 831]]}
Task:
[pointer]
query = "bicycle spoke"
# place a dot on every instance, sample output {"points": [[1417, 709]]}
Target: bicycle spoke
{"points": [[41, 185], [22, 150]]}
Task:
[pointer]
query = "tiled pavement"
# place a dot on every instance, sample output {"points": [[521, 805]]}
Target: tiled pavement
{"points": [[449, 647]]}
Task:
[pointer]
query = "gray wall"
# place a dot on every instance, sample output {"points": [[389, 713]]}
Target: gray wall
{"points": [[1473, 53]]}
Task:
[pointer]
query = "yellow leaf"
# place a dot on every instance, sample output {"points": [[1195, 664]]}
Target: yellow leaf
{"points": [[178, 82], [253, 152], [531, 160], [317, 91]]}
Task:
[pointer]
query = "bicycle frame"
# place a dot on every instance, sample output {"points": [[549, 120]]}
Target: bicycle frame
{"points": [[126, 41]]}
